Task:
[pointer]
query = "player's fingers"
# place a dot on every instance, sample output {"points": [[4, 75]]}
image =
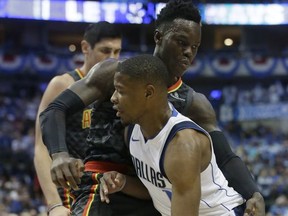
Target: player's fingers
{"points": [[54, 178], [75, 167], [103, 186], [103, 196], [60, 178], [109, 181], [248, 214], [249, 207], [101, 193], [107, 200], [259, 207], [70, 178], [120, 180], [80, 167]]}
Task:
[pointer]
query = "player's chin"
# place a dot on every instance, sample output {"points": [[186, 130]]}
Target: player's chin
{"points": [[124, 121], [184, 68], [180, 70]]}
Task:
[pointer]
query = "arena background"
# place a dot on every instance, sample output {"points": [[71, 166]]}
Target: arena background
{"points": [[242, 67]]}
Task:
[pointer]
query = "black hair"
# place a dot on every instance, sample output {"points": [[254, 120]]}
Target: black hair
{"points": [[183, 9], [145, 68], [97, 31]]}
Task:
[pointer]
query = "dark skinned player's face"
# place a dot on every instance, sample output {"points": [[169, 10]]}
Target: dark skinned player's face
{"points": [[129, 98], [178, 45]]}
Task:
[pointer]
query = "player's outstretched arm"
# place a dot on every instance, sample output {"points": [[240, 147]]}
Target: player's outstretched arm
{"points": [[42, 160], [96, 86], [202, 112]]}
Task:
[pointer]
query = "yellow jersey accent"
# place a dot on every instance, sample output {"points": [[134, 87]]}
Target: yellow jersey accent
{"points": [[86, 118], [175, 86], [79, 72]]}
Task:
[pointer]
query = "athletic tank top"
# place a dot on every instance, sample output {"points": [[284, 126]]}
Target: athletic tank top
{"points": [[217, 198], [77, 126], [106, 136], [181, 96]]}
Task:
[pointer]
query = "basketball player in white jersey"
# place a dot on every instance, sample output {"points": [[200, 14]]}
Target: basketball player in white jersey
{"points": [[173, 156]]}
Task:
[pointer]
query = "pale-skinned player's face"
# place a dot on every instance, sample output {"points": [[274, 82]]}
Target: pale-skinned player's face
{"points": [[104, 49], [129, 98], [178, 46]]}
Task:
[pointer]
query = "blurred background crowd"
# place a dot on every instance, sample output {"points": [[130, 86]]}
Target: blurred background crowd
{"points": [[242, 68]]}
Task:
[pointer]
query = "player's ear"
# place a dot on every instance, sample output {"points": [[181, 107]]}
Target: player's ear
{"points": [[85, 47], [150, 90], [158, 36]]}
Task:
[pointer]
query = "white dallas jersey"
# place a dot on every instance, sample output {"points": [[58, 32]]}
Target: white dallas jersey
{"points": [[217, 198]]}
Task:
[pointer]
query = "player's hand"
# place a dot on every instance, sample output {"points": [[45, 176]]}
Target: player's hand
{"points": [[66, 171], [255, 206], [111, 182], [60, 211]]}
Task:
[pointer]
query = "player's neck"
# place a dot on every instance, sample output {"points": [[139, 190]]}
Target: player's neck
{"points": [[154, 122], [175, 85], [84, 70]]}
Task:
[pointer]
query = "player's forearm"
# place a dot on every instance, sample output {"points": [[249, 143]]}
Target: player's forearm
{"points": [[239, 177], [53, 130], [233, 168], [42, 163], [53, 120], [135, 188]]}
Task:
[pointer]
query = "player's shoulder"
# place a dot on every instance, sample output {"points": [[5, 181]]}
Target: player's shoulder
{"points": [[200, 101], [102, 75], [58, 84], [199, 96], [201, 110], [104, 68], [62, 80]]}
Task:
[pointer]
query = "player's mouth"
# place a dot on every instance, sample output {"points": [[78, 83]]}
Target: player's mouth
{"points": [[118, 113], [185, 63]]}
